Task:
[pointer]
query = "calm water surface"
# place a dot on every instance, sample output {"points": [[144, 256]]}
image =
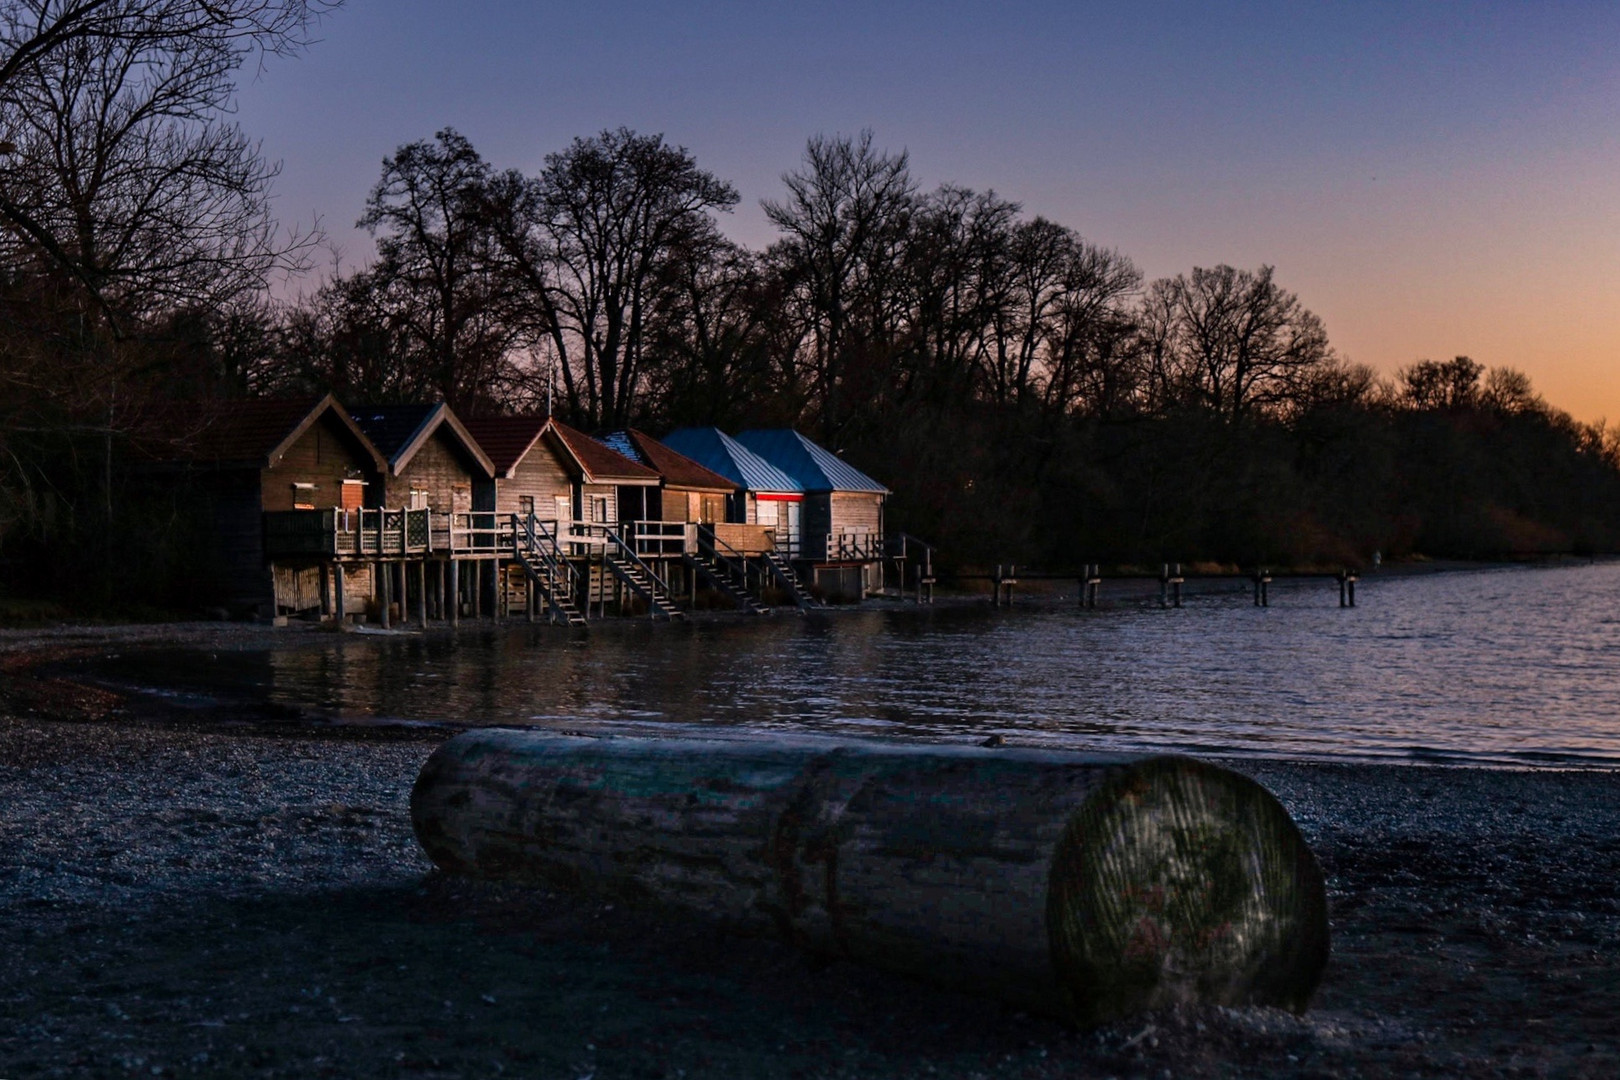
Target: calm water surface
{"points": [[1514, 666]]}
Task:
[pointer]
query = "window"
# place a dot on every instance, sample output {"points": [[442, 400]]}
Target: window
{"points": [[354, 494], [599, 509], [419, 499], [526, 505], [303, 496]]}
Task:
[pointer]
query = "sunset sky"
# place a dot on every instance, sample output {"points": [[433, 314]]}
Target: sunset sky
{"points": [[1431, 179]]}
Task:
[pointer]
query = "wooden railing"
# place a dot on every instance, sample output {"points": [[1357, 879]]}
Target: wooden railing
{"points": [[378, 531], [855, 546], [384, 532], [661, 539]]}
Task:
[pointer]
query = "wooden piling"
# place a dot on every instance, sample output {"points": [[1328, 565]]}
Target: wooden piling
{"points": [[421, 594], [454, 591], [384, 577], [337, 592]]}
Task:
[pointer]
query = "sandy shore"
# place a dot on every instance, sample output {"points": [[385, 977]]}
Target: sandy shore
{"points": [[224, 897]]}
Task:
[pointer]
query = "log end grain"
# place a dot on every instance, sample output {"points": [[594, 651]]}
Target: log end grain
{"points": [[1180, 882]]}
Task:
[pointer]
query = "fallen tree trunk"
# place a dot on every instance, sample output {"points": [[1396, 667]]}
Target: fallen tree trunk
{"points": [[1083, 886]]}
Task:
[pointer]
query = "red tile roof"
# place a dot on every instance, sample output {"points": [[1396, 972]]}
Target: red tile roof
{"points": [[601, 463], [506, 439], [246, 433], [678, 470]]}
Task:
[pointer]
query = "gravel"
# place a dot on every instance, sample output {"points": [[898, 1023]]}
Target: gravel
{"points": [[227, 897]]}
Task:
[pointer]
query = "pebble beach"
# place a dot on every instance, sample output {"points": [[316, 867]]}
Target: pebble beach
{"points": [[188, 894]]}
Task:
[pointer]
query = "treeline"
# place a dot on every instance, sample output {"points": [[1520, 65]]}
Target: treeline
{"points": [[1026, 393]]}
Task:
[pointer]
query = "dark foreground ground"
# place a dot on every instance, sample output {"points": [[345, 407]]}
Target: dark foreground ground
{"points": [[223, 897]]}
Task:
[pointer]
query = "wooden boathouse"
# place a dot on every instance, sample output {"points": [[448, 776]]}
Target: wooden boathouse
{"points": [[275, 475], [408, 513], [433, 464], [842, 538]]}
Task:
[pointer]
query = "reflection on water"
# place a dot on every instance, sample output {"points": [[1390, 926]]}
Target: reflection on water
{"points": [[1502, 666]]}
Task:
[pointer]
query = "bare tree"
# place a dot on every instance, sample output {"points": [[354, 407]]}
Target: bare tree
{"points": [[1233, 340], [441, 282], [844, 223], [115, 162], [611, 214]]}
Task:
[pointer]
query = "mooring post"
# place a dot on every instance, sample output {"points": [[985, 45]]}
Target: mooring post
{"points": [[455, 593], [1265, 588], [1350, 578], [1164, 585], [337, 592], [404, 592], [1175, 583], [995, 587]]}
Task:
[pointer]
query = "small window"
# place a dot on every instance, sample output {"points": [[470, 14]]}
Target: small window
{"points": [[526, 505], [419, 499], [354, 494], [599, 509], [303, 496]]}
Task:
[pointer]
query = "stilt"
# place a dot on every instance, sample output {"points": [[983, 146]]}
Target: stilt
{"points": [[337, 592], [384, 576], [404, 591], [421, 594], [326, 593], [453, 590]]}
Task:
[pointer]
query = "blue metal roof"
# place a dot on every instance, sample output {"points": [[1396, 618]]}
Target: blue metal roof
{"points": [[814, 467], [714, 449]]}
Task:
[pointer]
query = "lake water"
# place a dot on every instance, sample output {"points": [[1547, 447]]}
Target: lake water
{"points": [[1513, 666]]}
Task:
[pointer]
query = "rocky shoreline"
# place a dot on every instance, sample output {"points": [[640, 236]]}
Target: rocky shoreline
{"points": [[230, 896]]}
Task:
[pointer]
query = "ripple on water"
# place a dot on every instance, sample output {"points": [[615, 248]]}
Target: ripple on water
{"points": [[1505, 667]]}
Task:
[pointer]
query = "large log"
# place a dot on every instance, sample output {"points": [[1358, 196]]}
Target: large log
{"points": [[1083, 886]]}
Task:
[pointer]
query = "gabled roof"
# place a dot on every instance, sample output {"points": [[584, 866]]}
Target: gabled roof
{"points": [[816, 467], [678, 470], [399, 431], [715, 450], [506, 439], [256, 433], [600, 464]]}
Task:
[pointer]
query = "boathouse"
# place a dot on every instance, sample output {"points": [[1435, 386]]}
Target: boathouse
{"points": [[766, 496], [430, 526], [842, 516], [275, 474]]}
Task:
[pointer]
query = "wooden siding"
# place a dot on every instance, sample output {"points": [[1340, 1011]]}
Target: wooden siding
{"points": [[439, 470], [747, 539], [590, 496], [325, 456], [538, 476], [856, 512], [683, 504]]}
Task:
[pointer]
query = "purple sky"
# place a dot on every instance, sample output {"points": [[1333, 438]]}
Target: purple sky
{"points": [[1432, 179]]}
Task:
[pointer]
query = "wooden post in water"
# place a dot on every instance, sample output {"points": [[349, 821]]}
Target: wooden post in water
{"points": [[1175, 583], [337, 592], [1347, 588], [1164, 585], [1082, 886], [421, 594], [454, 591], [1262, 583], [403, 583], [383, 576]]}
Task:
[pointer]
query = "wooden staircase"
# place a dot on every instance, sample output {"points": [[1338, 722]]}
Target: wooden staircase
{"points": [[546, 568], [725, 569], [788, 579], [640, 579]]}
